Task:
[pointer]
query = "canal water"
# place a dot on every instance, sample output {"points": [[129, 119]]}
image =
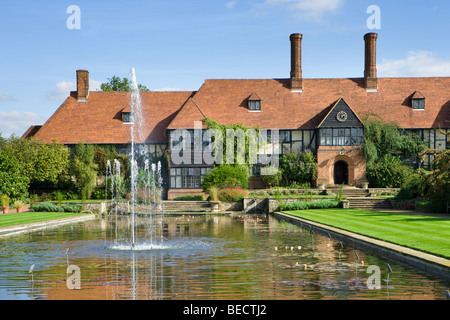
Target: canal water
{"points": [[243, 257]]}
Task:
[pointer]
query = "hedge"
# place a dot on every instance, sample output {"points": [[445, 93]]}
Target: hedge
{"points": [[190, 198], [52, 207], [303, 205]]}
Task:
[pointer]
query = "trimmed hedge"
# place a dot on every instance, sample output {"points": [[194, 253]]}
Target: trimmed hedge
{"points": [[303, 205], [190, 198], [52, 207]]}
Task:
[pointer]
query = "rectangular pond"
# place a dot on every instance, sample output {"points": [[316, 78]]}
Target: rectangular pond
{"points": [[201, 257]]}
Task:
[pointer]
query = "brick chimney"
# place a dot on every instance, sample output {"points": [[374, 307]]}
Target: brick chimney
{"points": [[82, 85], [370, 67], [296, 62]]}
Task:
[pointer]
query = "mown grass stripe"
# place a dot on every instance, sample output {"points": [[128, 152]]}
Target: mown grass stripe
{"points": [[13, 219], [418, 232]]}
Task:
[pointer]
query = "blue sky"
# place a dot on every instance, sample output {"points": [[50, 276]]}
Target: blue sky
{"points": [[177, 44]]}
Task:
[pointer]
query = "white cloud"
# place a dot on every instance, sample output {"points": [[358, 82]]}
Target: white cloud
{"points": [[15, 122], [62, 89], [230, 4], [5, 97], [416, 64], [306, 8]]}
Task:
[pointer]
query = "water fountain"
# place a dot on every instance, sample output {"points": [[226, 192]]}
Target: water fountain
{"points": [[147, 181]]}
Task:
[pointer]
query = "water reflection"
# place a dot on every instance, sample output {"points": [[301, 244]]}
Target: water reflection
{"points": [[203, 257]]}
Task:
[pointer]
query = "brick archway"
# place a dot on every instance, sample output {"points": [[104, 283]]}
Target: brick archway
{"points": [[327, 156]]}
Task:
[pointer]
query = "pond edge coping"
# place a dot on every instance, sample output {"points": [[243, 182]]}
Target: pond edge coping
{"points": [[427, 262], [11, 230]]}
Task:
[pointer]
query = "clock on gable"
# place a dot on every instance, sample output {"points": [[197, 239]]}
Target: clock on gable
{"points": [[341, 116]]}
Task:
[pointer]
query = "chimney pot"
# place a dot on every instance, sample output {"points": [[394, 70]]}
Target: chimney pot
{"points": [[296, 62], [370, 62], [82, 85]]}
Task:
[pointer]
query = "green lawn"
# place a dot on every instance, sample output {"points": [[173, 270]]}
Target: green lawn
{"points": [[11, 219], [424, 233]]}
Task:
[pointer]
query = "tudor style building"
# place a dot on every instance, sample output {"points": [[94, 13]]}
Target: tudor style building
{"points": [[323, 115]]}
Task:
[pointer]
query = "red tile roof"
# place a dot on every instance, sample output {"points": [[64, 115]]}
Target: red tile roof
{"points": [[99, 119], [226, 102]]}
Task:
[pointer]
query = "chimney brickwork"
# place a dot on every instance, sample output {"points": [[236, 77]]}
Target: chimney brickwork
{"points": [[370, 64], [82, 85], [296, 62]]}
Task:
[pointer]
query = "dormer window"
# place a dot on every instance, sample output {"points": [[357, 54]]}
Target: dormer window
{"points": [[418, 101], [127, 117], [254, 102]]}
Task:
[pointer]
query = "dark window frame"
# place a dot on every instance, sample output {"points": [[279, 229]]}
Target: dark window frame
{"points": [[254, 105], [418, 103], [345, 136]]}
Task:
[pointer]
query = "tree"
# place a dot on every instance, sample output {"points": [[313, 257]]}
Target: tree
{"points": [[14, 179], [437, 183], [84, 169], [43, 162], [117, 84], [381, 141]]}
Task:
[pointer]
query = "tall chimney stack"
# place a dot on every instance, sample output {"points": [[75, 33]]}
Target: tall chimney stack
{"points": [[82, 85], [296, 62], [370, 68]]}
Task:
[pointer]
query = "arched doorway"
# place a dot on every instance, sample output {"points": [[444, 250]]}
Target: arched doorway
{"points": [[340, 172]]}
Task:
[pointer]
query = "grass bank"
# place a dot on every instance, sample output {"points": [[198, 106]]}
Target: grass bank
{"points": [[13, 219], [424, 233]]}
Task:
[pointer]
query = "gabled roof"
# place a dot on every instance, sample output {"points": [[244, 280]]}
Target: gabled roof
{"points": [[254, 97], [99, 119], [225, 101], [31, 132], [418, 95], [189, 113], [340, 105]]}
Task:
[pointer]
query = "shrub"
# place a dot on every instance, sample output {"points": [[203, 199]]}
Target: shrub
{"points": [[303, 205], [190, 198], [213, 193], [5, 201], [388, 172], [231, 195], [272, 180], [299, 167], [46, 207], [225, 176], [52, 207], [71, 207]]}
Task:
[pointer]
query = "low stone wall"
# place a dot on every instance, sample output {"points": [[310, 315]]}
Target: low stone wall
{"points": [[232, 206]]}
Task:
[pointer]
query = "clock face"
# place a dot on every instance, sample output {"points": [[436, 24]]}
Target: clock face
{"points": [[341, 116]]}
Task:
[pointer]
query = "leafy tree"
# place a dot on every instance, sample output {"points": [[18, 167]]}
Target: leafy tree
{"points": [[84, 169], [43, 162], [381, 141], [389, 172], [105, 153], [437, 183], [117, 84], [14, 179]]}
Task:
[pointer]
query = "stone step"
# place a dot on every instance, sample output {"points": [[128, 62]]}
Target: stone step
{"points": [[186, 206], [366, 203]]}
